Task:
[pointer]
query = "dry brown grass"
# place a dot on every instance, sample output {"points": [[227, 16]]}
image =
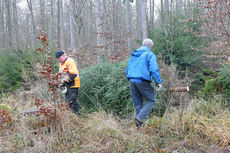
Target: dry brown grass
{"points": [[97, 132], [202, 127], [170, 76]]}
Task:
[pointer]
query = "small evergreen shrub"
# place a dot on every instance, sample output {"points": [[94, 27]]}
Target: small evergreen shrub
{"points": [[11, 67], [214, 83]]}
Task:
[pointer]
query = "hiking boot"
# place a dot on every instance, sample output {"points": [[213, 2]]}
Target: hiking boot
{"points": [[138, 123]]}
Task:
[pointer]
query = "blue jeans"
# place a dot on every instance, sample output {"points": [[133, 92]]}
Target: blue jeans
{"points": [[139, 91]]}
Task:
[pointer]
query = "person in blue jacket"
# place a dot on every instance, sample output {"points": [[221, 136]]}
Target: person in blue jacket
{"points": [[141, 69]]}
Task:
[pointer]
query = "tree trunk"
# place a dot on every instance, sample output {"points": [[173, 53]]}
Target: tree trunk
{"points": [[91, 25], [9, 24], [144, 20], [2, 27], [99, 26], [51, 23], [71, 25], [128, 23], [30, 6], [42, 15], [151, 13], [162, 12], [138, 20], [16, 26], [166, 10], [115, 15], [59, 24]]}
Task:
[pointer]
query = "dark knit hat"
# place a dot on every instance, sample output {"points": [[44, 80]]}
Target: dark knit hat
{"points": [[59, 53]]}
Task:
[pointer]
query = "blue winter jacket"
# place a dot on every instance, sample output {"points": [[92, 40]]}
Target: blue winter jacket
{"points": [[142, 65]]}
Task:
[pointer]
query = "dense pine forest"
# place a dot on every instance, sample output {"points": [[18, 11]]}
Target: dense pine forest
{"points": [[191, 44]]}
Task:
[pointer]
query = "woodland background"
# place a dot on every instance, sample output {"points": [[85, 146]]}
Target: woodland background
{"points": [[191, 41]]}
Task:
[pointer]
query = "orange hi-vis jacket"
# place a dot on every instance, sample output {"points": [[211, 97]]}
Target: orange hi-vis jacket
{"points": [[69, 69]]}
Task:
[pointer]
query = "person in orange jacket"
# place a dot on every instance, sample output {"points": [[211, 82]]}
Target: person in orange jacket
{"points": [[70, 83]]}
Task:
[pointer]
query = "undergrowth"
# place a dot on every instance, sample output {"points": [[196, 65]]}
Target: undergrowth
{"points": [[202, 124]]}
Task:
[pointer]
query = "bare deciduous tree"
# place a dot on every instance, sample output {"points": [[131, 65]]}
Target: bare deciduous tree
{"points": [[110, 25], [9, 23]]}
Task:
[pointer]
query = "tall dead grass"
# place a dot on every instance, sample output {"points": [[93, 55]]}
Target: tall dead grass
{"points": [[104, 132]]}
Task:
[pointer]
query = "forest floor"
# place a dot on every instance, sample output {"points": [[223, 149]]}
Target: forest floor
{"points": [[187, 132]]}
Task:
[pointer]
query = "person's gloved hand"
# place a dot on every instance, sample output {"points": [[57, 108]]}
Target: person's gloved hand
{"points": [[159, 87], [61, 83], [63, 89]]}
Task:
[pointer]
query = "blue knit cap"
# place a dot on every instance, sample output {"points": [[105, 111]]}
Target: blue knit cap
{"points": [[59, 53]]}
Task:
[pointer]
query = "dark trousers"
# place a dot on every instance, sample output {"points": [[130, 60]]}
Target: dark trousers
{"points": [[139, 92], [71, 99]]}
